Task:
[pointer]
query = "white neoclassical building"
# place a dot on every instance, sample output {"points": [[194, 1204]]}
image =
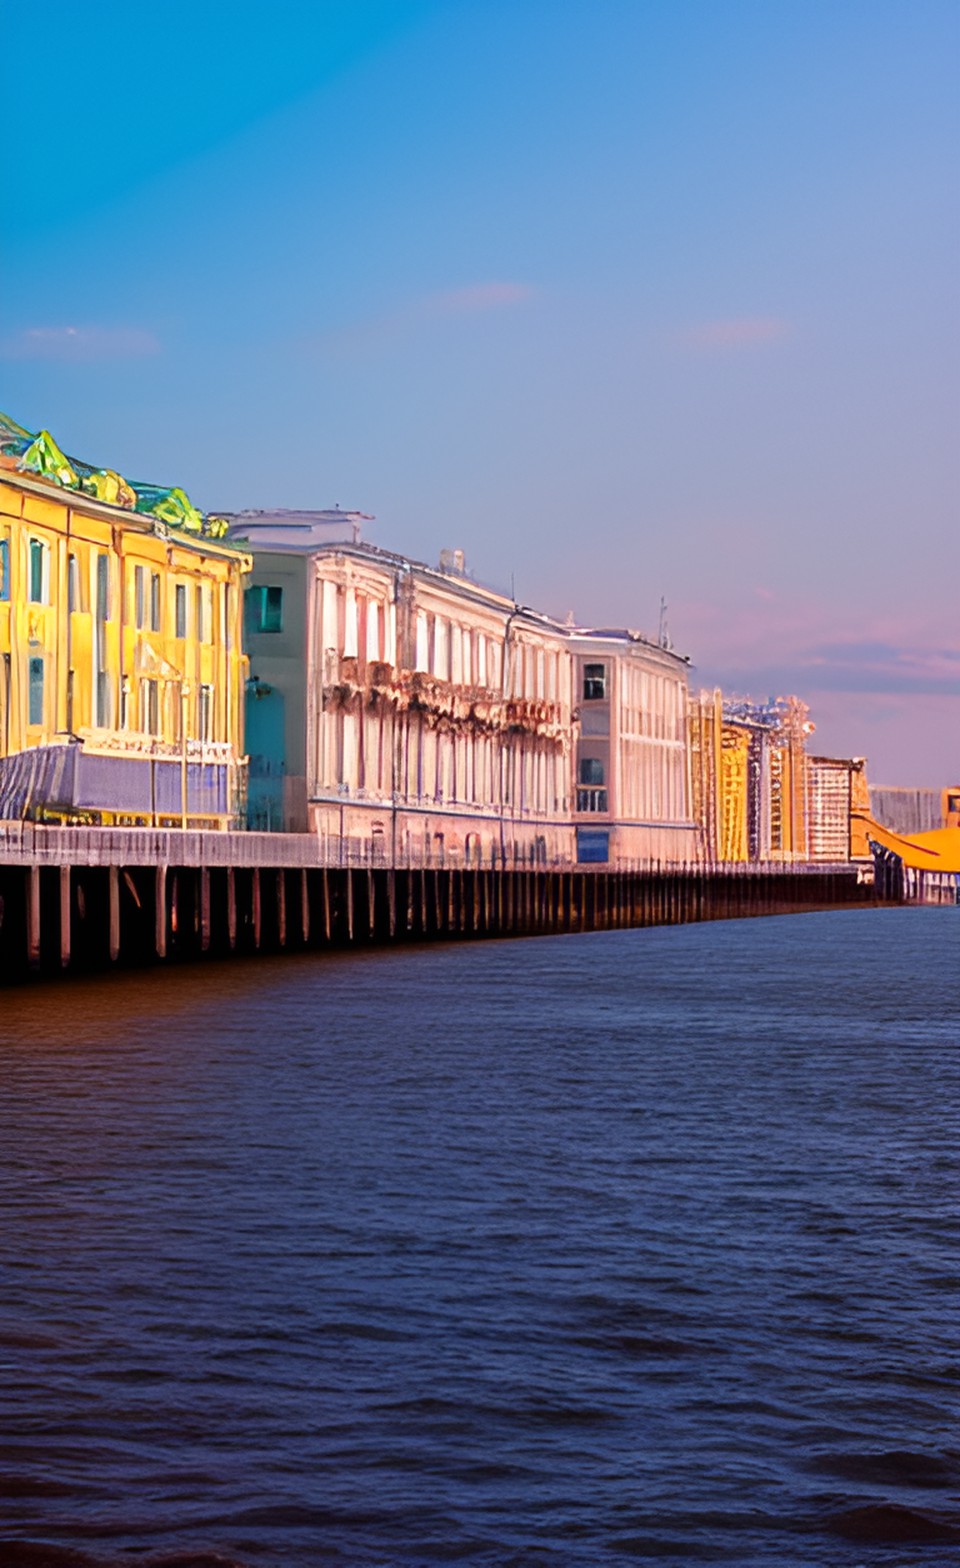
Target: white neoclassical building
{"points": [[408, 715]]}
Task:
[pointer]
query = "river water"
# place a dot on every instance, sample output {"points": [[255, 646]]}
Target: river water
{"points": [[596, 1249]]}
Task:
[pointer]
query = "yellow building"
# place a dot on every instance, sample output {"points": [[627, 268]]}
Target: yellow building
{"points": [[749, 772], [121, 662]]}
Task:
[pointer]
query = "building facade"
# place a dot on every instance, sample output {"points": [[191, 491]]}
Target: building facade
{"points": [[631, 795], [837, 795], [405, 713], [401, 712], [121, 660], [758, 793]]}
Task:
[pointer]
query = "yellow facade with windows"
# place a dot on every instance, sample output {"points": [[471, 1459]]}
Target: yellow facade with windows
{"points": [[121, 663]]}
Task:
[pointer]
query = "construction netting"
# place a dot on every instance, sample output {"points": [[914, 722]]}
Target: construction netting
{"points": [[36, 452]]}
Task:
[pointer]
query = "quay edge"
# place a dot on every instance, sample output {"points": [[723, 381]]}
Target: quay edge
{"points": [[85, 900]]}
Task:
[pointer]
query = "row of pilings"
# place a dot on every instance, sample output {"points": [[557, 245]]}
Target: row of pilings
{"points": [[82, 918]]}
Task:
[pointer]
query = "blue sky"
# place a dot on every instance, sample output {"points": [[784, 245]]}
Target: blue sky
{"points": [[625, 299]]}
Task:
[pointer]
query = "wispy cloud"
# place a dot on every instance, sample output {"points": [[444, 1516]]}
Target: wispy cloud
{"points": [[476, 297], [865, 666], [780, 642], [80, 343], [874, 666], [741, 332], [471, 300]]}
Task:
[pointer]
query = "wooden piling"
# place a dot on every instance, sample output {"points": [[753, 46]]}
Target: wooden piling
{"points": [[325, 899], [204, 909], [231, 908], [160, 911], [255, 905], [65, 917], [113, 893], [33, 916], [304, 907], [282, 908]]}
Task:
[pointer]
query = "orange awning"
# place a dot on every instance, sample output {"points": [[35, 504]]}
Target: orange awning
{"points": [[936, 851]]}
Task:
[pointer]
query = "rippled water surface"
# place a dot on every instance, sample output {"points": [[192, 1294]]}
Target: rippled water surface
{"points": [[592, 1249]]}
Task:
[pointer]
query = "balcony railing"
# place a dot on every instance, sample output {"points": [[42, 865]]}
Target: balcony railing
{"points": [[592, 800]]}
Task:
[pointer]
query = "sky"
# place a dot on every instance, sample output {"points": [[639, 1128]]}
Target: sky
{"points": [[628, 299]]}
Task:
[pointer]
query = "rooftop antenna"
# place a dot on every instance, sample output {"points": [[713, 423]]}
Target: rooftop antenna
{"points": [[513, 590], [663, 631]]}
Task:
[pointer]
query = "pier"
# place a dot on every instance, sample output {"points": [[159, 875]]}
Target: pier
{"points": [[87, 899]]}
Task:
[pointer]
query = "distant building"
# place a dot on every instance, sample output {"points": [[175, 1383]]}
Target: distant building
{"points": [[750, 777], [121, 665], [836, 790], [632, 789], [904, 810]]}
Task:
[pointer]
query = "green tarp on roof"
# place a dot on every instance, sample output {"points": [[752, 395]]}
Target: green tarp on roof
{"points": [[38, 453]]}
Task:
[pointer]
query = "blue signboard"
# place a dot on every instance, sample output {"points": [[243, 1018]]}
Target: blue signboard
{"points": [[593, 846]]}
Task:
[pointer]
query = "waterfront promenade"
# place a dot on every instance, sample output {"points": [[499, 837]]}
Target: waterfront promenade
{"points": [[88, 898]]}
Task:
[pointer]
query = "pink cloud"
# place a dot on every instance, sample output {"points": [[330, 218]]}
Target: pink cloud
{"points": [[381, 331], [476, 297], [80, 343], [739, 332]]}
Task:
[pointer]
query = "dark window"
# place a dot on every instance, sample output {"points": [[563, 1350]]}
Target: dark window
{"points": [[591, 771], [73, 583], [594, 682], [180, 606], [150, 716], [38, 552], [264, 609], [155, 601], [205, 715], [4, 568], [36, 692], [104, 699], [103, 587]]}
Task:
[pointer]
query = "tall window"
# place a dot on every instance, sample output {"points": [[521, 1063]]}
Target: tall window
{"points": [[199, 620], [591, 796], [140, 596], [263, 609], [35, 696], [38, 571], [594, 682], [73, 582], [205, 713], [4, 568], [104, 700], [154, 601], [180, 610], [103, 587], [150, 707]]}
